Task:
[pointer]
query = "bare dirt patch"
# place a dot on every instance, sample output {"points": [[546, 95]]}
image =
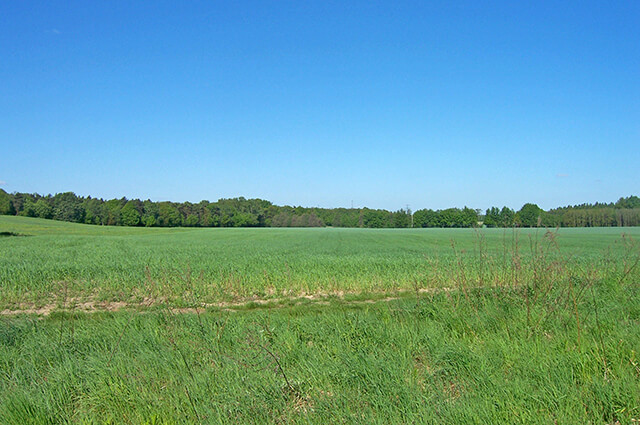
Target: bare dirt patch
{"points": [[85, 305]]}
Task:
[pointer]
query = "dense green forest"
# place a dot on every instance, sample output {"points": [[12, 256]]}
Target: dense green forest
{"points": [[241, 212]]}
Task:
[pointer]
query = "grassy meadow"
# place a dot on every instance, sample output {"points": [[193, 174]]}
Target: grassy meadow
{"points": [[57, 259], [405, 326]]}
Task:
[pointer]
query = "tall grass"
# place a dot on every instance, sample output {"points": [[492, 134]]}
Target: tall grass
{"points": [[478, 326], [449, 358]]}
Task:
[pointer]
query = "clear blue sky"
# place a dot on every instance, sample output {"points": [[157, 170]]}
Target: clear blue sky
{"points": [[323, 103]]}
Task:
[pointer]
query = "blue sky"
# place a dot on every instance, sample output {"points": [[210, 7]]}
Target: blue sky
{"points": [[383, 104]]}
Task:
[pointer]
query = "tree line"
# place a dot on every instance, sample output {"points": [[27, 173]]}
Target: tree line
{"points": [[241, 212]]}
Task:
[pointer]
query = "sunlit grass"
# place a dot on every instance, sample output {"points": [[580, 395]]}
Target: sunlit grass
{"points": [[406, 326], [403, 361], [116, 263]]}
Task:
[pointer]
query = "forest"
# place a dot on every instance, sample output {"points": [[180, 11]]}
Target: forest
{"points": [[241, 212]]}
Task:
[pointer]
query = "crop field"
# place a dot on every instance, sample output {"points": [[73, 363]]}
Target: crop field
{"points": [[50, 260], [141, 326]]}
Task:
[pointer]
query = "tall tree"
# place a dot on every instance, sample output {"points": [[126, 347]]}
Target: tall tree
{"points": [[401, 219], [507, 217], [530, 215], [68, 207], [43, 209], [492, 217], [6, 204], [130, 214]]}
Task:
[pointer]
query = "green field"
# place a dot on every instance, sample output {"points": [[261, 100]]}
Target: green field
{"points": [[211, 265], [403, 326]]}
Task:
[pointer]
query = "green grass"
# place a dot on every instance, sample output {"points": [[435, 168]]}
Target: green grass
{"points": [[119, 263], [526, 327], [439, 361]]}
